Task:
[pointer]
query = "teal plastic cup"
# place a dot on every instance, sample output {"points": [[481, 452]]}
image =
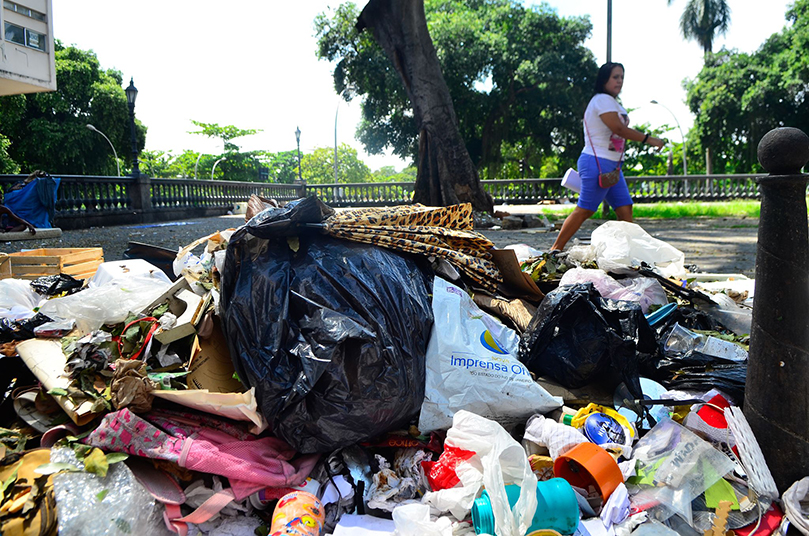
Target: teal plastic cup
{"points": [[557, 508]]}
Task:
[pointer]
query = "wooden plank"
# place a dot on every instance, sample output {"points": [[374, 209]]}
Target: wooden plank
{"points": [[33, 252], [5, 266], [82, 268], [36, 271], [33, 260], [82, 255]]}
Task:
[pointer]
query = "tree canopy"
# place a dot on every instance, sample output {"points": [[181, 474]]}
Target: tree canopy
{"points": [[519, 77], [48, 131], [318, 166], [737, 97]]}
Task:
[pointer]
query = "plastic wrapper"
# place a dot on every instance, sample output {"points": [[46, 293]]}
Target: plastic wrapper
{"points": [[414, 520], [557, 437], [796, 504], [674, 467], [55, 329], [109, 303], [124, 508], [577, 337], [332, 334], [646, 291], [17, 299]]}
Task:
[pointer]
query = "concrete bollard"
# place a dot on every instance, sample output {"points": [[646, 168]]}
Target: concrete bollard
{"points": [[777, 392]]}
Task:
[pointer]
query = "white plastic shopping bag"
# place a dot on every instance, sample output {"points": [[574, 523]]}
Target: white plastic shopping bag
{"points": [[498, 460], [472, 364], [620, 245]]}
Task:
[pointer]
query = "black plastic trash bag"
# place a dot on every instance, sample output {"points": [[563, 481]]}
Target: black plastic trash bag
{"points": [[577, 337], [53, 285], [21, 330], [331, 333]]}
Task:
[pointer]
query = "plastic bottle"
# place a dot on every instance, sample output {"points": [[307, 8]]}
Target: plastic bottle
{"points": [[298, 514], [557, 508]]}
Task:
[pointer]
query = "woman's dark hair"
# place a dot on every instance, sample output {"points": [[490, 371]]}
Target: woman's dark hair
{"points": [[604, 75]]}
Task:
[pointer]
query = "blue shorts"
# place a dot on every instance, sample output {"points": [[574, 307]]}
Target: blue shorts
{"points": [[592, 194]]}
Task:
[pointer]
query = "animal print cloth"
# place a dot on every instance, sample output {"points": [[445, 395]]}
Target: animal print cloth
{"points": [[444, 232]]}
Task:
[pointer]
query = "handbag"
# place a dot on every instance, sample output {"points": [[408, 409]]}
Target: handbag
{"points": [[611, 178]]}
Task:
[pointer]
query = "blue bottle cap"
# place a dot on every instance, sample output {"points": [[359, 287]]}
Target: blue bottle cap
{"points": [[601, 428]]}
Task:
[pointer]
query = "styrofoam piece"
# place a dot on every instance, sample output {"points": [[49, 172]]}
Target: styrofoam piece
{"points": [[129, 268]]}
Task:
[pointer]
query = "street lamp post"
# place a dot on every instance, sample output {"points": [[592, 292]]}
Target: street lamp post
{"points": [[196, 166], [335, 129], [335, 138], [215, 164], [609, 31], [114, 152], [298, 139], [685, 164], [131, 95]]}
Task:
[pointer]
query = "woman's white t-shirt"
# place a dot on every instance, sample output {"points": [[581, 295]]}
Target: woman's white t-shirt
{"points": [[607, 145]]}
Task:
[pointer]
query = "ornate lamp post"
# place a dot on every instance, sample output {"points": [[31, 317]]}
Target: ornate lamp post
{"points": [[298, 139], [131, 95]]}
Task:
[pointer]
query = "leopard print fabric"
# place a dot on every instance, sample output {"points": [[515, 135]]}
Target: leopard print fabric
{"points": [[445, 232]]}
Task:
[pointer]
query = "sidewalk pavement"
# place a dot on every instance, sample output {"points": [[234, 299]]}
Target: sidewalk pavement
{"points": [[720, 245]]}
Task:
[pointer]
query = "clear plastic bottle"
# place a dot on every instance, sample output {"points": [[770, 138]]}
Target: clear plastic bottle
{"points": [[683, 341]]}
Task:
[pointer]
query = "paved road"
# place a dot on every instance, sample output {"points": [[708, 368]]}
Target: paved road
{"points": [[714, 245]]}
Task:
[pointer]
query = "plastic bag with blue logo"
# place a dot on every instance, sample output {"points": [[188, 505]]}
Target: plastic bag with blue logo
{"points": [[472, 364]]}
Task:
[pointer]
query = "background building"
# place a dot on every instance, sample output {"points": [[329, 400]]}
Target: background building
{"points": [[26, 47]]}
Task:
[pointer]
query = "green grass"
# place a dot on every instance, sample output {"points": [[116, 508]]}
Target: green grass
{"points": [[696, 209]]}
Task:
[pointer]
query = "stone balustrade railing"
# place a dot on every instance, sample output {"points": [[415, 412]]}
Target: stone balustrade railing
{"points": [[88, 201]]}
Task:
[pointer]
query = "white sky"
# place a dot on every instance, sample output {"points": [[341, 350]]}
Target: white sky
{"points": [[253, 64]]}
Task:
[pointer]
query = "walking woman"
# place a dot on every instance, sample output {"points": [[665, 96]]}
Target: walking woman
{"points": [[605, 133]]}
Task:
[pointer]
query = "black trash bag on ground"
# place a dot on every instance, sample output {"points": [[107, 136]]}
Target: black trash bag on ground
{"points": [[577, 337], [288, 220], [53, 285], [331, 333], [729, 378], [21, 330]]}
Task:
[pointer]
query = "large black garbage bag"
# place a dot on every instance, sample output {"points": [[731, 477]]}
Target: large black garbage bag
{"points": [[577, 337], [331, 333]]}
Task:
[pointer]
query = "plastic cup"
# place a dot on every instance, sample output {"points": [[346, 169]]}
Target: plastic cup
{"points": [[298, 514]]}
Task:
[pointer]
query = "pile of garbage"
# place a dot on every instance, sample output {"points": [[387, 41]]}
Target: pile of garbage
{"points": [[384, 372]]}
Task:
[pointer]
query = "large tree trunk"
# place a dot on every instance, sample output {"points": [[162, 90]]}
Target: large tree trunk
{"points": [[446, 174]]}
